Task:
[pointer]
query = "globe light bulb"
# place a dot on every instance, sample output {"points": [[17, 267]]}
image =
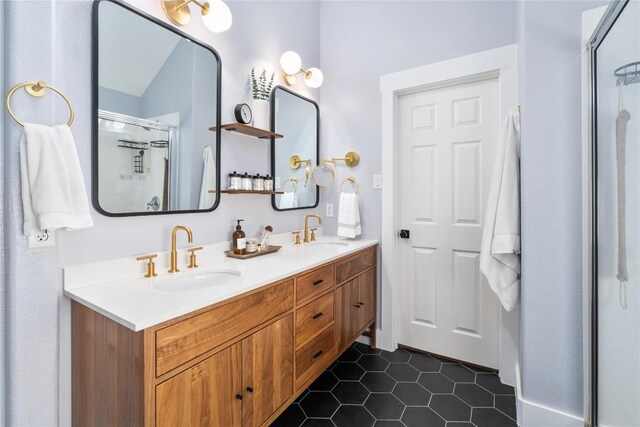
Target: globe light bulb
{"points": [[290, 62], [218, 18], [313, 78]]}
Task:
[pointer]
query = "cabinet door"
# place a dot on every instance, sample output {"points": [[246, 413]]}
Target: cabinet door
{"points": [[349, 313], [203, 395], [267, 370], [366, 298]]}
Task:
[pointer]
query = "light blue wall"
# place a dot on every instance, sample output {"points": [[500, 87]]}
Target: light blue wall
{"points": [[119, 102], [38, 316], [551, 322]]}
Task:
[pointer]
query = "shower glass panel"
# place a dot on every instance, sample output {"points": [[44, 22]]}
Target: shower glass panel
{"points": [[617, 220]]}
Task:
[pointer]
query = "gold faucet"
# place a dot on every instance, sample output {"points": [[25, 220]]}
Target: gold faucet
{"points": [[174, 253], [306, 225]]}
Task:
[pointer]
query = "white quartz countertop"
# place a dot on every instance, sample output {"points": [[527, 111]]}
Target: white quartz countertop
{"points": [[137, 304]]}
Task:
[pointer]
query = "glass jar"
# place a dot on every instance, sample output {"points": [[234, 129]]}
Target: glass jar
{"points": [[235, 182], [258, 183], [252, 246], [268, 183], [247, 182]]}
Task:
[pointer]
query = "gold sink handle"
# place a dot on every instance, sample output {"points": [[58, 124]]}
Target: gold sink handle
{"points": [[151, 266], [192, 256]]}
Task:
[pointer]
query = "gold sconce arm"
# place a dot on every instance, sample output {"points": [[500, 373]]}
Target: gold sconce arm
{"points": [[295, 161], [351, 159], [178, 12]]}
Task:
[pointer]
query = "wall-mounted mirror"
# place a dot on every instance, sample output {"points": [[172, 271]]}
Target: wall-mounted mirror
{"points": [[156, 94], [295, 154]]}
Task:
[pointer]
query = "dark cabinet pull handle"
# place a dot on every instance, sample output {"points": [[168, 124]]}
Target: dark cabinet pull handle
{"points": [[315, 356], [356, 305], [250, 389], [318, 315], [317, 282], [239, 396], [360, 303]]}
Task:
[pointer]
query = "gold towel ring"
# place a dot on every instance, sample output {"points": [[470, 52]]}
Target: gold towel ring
{"points": [[351, 179], [324, 164], [294, 181], [36, 89]]}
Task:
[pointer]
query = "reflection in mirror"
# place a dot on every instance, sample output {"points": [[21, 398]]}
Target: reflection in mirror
{"points": [[157, 97], [294, 156]]}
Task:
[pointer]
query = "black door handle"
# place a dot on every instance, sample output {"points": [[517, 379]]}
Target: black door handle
{"points": [[404, 234]]}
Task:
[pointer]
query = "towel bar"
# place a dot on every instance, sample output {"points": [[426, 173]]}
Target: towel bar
{"points": [[36, 89]]}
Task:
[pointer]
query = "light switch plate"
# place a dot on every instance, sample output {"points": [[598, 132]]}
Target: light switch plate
{"points": [[329, 210], [377, 182]]}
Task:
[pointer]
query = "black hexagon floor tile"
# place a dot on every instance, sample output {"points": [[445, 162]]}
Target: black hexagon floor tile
{"points": [[325, 382], [436, 383], [458, 373], [424, 363], [320, 404], [348, 371], [450, 407], [378, 382], [474, 395], [350, 392], [415, 390], [412, 394], [398, 356], [506, 404], [350, 355], [403, 372], [291, 417], [353, 415], [384, 406], [490, 417], [419, 416], [365, 349], [492, 383], [373, 363]]}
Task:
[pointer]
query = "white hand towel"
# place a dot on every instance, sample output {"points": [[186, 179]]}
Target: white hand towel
{"points": [[288, 200], [208, 179], [349, 216], [500, 248], [53, 191]]}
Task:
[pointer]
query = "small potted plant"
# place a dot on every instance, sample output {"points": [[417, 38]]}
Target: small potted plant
{"points": [[260, 91]]}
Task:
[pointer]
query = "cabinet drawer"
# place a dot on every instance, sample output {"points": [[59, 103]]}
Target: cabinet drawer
{"points": [[350, 267], [181, 342], [313, 317], [314, 283], [312, 358]]}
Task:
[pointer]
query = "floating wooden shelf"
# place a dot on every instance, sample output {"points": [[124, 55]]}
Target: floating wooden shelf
{"points": [[248, 130], [247, 192]]}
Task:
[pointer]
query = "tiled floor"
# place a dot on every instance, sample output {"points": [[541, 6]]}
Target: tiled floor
{"points": [[369, 387]]}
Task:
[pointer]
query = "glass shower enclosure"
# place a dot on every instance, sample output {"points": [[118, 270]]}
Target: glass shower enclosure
{"points": [[613, 381]]}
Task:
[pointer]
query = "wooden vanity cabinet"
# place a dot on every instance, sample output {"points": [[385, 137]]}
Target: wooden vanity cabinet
{"points": [[240, 362]]}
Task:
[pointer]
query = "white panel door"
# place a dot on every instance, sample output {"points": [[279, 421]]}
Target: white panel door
{"points": [[447, 143]]}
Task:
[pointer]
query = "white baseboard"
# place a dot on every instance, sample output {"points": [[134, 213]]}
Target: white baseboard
{"points": [[531, 414]]}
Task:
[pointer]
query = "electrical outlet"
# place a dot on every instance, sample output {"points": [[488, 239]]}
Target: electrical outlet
{"points": [[329, 212], [42, 240], [377, 182]]}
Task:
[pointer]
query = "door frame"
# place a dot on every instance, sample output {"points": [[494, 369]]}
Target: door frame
{"points": [[501, 63]]}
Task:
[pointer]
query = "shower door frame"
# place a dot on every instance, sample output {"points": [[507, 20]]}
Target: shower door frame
{"points": [[590, 215]]}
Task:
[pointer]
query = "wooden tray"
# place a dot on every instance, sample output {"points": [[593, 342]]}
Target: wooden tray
{"points": [[272, 249]]}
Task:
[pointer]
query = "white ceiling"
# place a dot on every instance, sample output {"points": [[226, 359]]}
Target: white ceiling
{"points": [[131, 49]]}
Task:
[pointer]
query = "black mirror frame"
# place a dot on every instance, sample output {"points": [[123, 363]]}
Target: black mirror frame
{"points": [[273, 144], [94, 109]]}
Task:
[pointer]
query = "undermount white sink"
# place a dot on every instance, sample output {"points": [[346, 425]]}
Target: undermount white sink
{"points": [[196, 281]]}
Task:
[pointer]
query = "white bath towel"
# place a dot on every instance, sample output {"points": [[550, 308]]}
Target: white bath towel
{"points": [[53, 191], [349, 216], [208, 179], [500, 248], [288, 200]]}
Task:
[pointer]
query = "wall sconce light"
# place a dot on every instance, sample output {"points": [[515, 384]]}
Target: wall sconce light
{"points": [[292, 64], [216, 15]]}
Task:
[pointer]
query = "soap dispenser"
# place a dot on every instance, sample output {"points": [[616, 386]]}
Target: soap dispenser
{"points": [[239, 240]]}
